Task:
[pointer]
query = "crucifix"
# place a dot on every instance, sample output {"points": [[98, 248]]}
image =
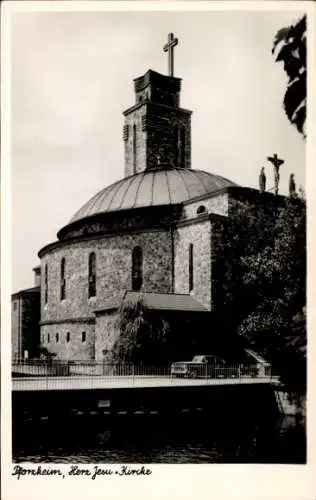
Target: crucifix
{"points": [[276, 162], [172, 42]]}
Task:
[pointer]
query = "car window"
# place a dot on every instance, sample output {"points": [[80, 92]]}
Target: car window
{"points": [[199, 359]]}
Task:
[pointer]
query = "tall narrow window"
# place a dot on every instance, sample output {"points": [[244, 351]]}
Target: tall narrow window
{"points": [[46, 284], [57, 337], [62, 279], [48, 338], [68, 337], [137, 268], [182, 147], [83, 336], [176, 145], [134, 148], [191, 269], [92, 275]]}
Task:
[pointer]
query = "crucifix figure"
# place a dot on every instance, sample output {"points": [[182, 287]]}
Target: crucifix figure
{"points": [[172, 42], [276, 162]]}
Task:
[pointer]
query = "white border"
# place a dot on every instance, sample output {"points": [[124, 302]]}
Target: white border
{"points": [[200, 481]]}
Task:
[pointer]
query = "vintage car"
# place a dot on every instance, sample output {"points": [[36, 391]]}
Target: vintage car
{"points": [[203, 366]]}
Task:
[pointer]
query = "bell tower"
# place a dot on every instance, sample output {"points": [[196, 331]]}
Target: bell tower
{"points": [[156, 129]]}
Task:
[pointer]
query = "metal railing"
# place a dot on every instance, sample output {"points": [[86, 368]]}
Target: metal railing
{"points": [[82, 375], [87, 368]]}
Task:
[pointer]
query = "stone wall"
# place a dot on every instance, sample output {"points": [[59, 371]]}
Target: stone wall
{"points": [[199, 234], [76, 348], [105, 334], [218, 204], [163, 125], [156, 134], [135, 118], [113, 273]]}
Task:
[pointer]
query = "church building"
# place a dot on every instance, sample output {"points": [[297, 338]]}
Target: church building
{"points": [[153, 232]]}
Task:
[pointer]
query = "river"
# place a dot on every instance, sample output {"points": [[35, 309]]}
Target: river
{"points": [[152, 439]]}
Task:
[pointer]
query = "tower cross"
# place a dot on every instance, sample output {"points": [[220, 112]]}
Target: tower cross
{"points": [[276, 162], [169, 47]]}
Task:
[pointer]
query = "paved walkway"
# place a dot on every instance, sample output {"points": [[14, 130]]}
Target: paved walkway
{"points": [[123, 382]]}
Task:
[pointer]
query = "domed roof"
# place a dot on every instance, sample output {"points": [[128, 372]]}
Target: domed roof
{"points": [[162, 186]]}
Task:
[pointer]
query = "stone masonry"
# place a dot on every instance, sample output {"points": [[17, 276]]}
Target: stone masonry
{"points": [[198, 234], [106, 334], [69, 340], [218, 204], [113, 272], [113, 258], [156, 130]]}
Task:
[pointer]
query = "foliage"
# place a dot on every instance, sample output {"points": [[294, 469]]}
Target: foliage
{"points": [[142, 335], [290, 48], [46, 354], [156, 337], [263, 256]]}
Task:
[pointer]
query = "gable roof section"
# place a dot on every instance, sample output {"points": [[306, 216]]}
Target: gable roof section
{"points": [[157, 301], [26, 291]]}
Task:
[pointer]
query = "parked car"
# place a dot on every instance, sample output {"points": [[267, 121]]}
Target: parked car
{"points": [[204, 366]]}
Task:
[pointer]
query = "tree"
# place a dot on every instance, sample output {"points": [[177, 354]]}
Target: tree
{"points": [[262, 262], [290, 47], [142, 335], [276, 276], [46, 354]]}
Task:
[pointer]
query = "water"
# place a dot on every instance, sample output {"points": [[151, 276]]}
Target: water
{"points": [[139, 439]]}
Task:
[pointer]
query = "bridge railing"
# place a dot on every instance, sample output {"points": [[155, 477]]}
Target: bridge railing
{"points": [[84, 368]]}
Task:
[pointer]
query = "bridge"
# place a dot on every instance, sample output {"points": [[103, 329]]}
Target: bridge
{"points": [[67, 383], [64, 388]]}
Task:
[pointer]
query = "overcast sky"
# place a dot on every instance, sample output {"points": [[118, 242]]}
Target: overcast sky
{"points": [[72, 77]]}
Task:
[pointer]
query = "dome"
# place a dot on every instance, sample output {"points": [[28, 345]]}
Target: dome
{"points": [[164, 186]]}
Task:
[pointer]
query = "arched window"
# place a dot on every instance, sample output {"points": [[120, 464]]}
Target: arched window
{"points": [[62, 279], [134, 148], [137, 268], [191, 269], [201, 210], [46, 284], [92, 275]]}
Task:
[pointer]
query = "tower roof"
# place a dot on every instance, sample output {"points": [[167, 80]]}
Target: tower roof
{"points": [[157, 79]]}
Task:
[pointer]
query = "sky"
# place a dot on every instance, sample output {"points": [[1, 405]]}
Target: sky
{"points": [[72, 77]]}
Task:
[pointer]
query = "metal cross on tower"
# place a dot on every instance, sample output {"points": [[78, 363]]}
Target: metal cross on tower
{"points": [[172, 42], [276, 162]]}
